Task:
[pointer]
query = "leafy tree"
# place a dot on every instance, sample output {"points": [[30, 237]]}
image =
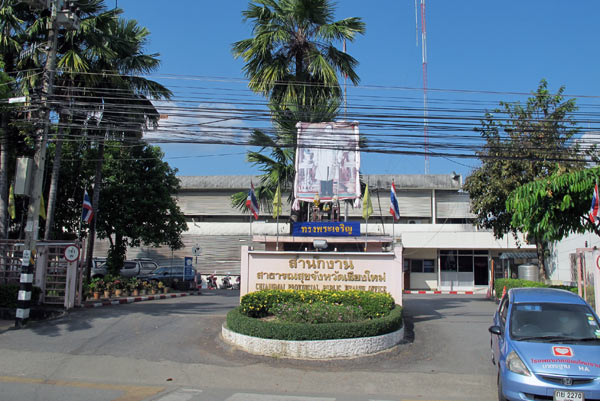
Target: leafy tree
{"points": [[551, 208], [523, 143], [137, 204], [293, 62]]}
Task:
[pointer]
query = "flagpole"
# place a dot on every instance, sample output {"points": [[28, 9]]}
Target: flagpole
{"points": [[393, 220], [367, 224]]}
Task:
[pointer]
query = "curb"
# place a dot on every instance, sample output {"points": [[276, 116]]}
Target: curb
{"points": [[439, 292], [313, 349], [129, 300]]}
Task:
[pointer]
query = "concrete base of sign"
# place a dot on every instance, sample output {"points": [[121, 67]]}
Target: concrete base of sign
{"points": [[314, 349]]}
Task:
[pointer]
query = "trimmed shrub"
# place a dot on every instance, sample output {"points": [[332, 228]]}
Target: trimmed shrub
{"points": [[518, 283], [10, 292], [317, 313], [238, 322], [260, 303]]}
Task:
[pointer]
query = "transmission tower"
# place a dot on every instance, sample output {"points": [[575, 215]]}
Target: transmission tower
{"points": [[424, 62]]}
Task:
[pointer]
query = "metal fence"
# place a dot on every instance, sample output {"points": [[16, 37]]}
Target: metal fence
{"points": [[583, 264]]}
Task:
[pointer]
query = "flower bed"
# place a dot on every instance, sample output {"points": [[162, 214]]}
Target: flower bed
{"points": [[379, 315]]}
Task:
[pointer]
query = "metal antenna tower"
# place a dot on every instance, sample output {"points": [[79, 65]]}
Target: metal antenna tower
{"points": [[424, 60]]}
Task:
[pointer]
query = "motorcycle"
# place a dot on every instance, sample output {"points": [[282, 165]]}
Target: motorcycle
{"points": [[211, 282], [226, 283], [236, 285]]}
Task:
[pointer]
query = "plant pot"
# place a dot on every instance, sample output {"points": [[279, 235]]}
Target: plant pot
{"points": [[166, 290], [96, 295], [118, 292], [106, 294], [136, 292], [153, 292]]}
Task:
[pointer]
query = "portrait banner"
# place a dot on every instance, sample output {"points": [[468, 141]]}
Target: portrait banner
{"points": [[327, 161]]}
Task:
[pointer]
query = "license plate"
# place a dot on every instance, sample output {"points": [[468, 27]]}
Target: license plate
{"points": [[563, 395]]}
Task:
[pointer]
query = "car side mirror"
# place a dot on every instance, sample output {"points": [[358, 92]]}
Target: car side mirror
{"points": [[495, 330]]}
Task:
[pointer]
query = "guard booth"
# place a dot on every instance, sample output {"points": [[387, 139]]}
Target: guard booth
{"points": [[57, 270]]}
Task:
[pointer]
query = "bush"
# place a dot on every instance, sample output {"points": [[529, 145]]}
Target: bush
{"points": [[238, 322], [10, 292], [260, 303], [318, 313], [518, 283]]}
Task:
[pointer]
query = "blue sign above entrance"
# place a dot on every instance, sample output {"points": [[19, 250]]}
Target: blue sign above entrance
{"points": [[327, 229]]}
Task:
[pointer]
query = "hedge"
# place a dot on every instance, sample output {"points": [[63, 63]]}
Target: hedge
{"points": [[518, 283], [242, 324], [10, 292], [258, 304]]}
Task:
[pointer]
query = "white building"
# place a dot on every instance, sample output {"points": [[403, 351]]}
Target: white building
{"points": [[441, 248]]}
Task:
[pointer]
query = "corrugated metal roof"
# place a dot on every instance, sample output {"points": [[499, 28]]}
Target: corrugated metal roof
{"points": [[376, 181], [518, 255]]}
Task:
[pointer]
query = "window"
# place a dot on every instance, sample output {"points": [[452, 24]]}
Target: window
{"points": [[420, 265]]}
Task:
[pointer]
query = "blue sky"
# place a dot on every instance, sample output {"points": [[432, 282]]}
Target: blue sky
{"points": [[479, 53]]}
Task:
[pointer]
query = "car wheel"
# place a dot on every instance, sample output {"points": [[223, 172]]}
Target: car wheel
{"points": [[500, 392]]}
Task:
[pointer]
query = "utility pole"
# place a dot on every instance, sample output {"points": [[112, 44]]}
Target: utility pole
{"points": [[69, 19]]}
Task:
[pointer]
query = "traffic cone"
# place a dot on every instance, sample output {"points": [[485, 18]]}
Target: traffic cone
{"points": [[504, 292]]}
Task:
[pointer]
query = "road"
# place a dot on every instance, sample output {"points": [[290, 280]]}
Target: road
{"points": [[170, 350]]}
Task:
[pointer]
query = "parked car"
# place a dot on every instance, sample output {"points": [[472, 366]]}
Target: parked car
{"points": [[138, 267], [546, 344], [172, 275], [98, 267]]}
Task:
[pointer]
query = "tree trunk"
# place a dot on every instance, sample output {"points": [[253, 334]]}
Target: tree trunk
{"points": [[4, 222], [540, 248], [95, 201], [54, 182]]}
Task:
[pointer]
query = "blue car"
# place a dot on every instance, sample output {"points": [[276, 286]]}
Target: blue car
{"points": [[546, 345]]}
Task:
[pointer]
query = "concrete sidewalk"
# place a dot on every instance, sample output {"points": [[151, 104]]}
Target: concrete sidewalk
{"points": [[7, 324]]}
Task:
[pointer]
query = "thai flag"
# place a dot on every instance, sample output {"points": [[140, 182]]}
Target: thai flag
{"points": [[251, 202], [594, 208], [394, 209], [88, 211]]}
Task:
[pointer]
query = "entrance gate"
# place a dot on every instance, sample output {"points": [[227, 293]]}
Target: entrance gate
{"points": [[59, 279]]}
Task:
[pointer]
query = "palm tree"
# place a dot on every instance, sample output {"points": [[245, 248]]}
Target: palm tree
{"points": [[125, 97], [292, 56], [292, 61], [11, 44]]}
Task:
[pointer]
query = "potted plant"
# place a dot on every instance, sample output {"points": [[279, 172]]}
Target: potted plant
{"points": [[108, 288], [134, 285], [146, 286], [95, 286], [118, 285], [163, 287], [154, 287]]}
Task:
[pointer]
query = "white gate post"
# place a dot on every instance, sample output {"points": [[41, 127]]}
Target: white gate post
{"points": [[71, 285]]}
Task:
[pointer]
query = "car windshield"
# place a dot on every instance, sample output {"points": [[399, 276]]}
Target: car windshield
{"points": [[553, 322]]}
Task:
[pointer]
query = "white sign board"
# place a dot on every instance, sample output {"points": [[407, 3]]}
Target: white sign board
{"points": [[71, 253]]}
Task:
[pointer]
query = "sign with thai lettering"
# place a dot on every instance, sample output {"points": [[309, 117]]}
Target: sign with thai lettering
{"points": [[364, 271], [326, 229]]}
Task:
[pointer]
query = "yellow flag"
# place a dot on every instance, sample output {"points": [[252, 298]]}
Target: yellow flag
{"points": [[277, 209], [11, 203], [367, 206], [42, 208]]}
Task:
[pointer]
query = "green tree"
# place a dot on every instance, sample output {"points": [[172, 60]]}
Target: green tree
{"points": [[523, 143], [138, 205], [292, 60], [551, 208]]}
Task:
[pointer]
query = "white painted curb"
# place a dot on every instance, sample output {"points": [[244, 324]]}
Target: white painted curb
{"points": [[314, 349]]}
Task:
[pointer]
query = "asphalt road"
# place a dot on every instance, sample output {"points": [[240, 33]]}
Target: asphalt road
{"points": [[170, 350]]}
